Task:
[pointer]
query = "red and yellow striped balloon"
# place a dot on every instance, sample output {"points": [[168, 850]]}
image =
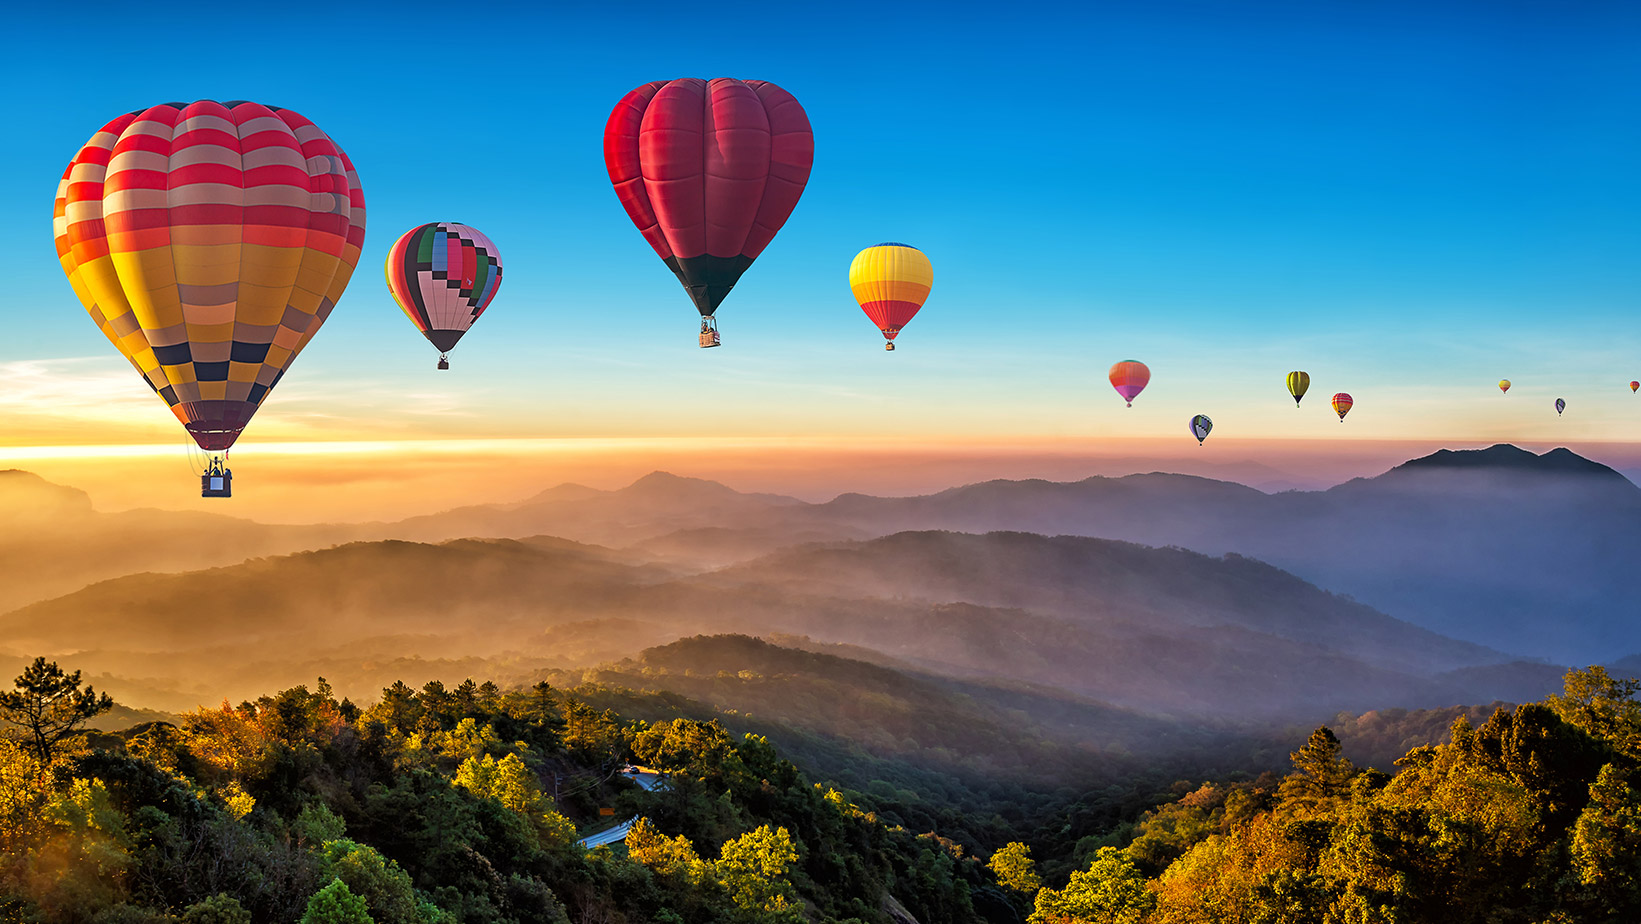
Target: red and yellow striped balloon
{"points": [[891, 282], [209, 241], [1341, 405]]}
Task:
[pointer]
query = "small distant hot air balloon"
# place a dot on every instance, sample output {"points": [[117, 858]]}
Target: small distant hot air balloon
{"points": [[209, 242], [891, 282], [1298, 384], [708, 171], [1201, 426], [1561, 405], [443, 275], [1634, 386], [1129, 378], [1341, 405], [1504, 385]]}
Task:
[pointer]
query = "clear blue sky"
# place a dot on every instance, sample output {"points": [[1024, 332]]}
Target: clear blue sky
{"points": [[1410, 200]]}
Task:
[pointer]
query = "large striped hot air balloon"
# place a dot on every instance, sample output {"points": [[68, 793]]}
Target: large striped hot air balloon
{"points": [[209, 241], [708, 171], [1298, 384], [891, 282], [1129, 378], [443, 275], [1341, 405]]}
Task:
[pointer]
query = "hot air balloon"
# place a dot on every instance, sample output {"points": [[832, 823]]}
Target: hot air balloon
{"points": [[209, 241], [1561, 405], [891, 282], [443, 275], [708, 171], [1298, 384], [1634, 386], [1129, 378], [1504, 385], [1341, 405], [1201, 426]]}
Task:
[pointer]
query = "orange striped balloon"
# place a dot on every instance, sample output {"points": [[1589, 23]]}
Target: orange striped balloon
{"points": [[209, 241], [1341, 405]]}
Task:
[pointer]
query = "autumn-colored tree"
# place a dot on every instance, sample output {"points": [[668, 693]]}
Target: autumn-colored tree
{"points": [[48, 705], [753, 868], [1607, 844], [1015, 869]]}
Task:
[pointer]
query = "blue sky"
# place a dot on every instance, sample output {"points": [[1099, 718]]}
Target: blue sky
{"points": [[1408, 200]]}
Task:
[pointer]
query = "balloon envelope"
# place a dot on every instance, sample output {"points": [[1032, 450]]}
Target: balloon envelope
{"points": [[708, 171], [1298, 384], [1129, 378], [891, 282], [1634, 386], [443, 275], [1560, 406], [1201, 426], [1341, 405], [1504, 385], [209, 241]]}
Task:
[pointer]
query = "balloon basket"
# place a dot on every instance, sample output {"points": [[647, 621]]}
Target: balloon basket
{"points": [[444, 361], [709, 333], [217, 480], [890, 346]]}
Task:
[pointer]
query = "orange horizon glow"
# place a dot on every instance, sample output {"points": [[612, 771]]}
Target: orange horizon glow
{"points": [[362, 480]]}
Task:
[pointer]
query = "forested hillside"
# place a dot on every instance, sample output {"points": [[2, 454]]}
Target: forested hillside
{"points": [[465, 804]]}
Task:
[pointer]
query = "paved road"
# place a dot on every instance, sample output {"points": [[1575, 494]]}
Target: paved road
{"points": [[619, 832]]}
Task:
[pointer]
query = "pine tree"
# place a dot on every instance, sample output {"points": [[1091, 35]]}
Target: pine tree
{"points": [[50, 706]]}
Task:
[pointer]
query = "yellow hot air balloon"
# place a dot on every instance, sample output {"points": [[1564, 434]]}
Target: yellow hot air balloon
{"points": [[891, 282], [1504, 385], [209, 242], [1298, 384]]}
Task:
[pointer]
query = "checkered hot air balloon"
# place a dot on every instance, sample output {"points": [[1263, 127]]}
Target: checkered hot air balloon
{"points": [[443, 275], [708, 171], [209, 241], [1341, 405], [891, 281], [1201, 426]]}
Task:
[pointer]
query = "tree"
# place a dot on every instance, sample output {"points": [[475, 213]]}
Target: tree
{"points": [[1110, 891], [1602, 705], [379, 882], [50, 706], [753, 870], [1014, 868], [1607, 844], [221, 908], [336, 904], [1320, 779]]}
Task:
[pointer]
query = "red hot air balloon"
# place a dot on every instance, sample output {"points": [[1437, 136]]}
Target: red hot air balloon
{"points": [[1634, 386], [1129, 378], [708, 171]]}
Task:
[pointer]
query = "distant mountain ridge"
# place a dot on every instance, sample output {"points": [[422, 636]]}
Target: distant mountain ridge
{"points": [[1521, 552]]}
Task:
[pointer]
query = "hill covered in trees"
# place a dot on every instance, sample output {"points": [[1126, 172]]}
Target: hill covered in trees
{"points": [[466, 804]]}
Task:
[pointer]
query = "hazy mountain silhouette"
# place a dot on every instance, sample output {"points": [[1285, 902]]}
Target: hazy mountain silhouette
{"points": [[1157, 629], [1526, 553]]}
